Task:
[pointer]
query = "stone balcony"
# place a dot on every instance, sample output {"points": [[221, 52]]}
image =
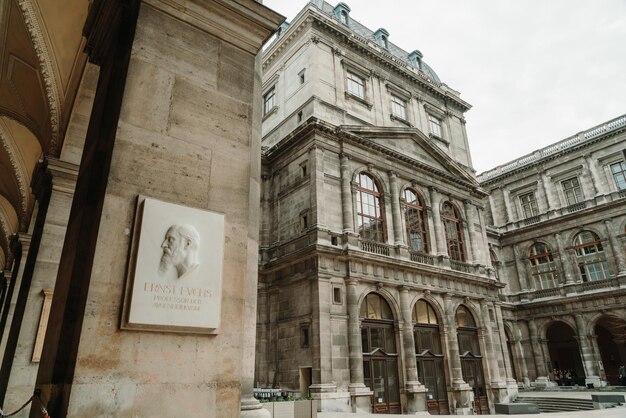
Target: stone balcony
{"points": [[567, 290]]}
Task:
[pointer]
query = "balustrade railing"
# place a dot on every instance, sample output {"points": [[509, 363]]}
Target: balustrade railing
{"points": [[532, 220], [570, 142], [422, 258], [460, 266], [544, 293], [375, 247], [576, 207], [599, 284]]}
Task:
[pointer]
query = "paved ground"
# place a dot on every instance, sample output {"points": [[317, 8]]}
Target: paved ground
{"points": [[618, 412]]}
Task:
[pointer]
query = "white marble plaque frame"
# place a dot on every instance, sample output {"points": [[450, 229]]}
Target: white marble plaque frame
{"points": [[174, 280]]}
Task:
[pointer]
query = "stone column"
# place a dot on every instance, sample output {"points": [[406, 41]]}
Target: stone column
{"points": [[505, 355], [395, 209], [476, 238], [453, 342], [495, 213], [432, 234], [506, 197], [492, 360], [567, 261], [553, 203], [616, 246], [416, 392], [316, 186], [440, 238], [586, 354], [521, 360], [358, 391], [525, 282], [483, 241], [460, 389], [540, 362], [346, 195], [592, 169], [544, 193]]}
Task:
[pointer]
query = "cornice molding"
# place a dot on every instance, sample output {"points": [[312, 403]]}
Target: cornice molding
{"points": [[18, 170], [245, 24], [46, 70]]}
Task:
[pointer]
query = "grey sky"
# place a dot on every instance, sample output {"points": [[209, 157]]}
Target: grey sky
{"points": [[535, 71]]}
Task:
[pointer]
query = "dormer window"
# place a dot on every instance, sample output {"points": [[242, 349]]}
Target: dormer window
{"points": [[341, 12], [343, 17], [381, 36]]}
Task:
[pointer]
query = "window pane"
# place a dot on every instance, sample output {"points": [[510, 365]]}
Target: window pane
{"points": [[379, 382], [392, 377]]}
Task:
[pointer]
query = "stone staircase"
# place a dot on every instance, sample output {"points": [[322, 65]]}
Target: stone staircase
{"points": [[547, 404]]}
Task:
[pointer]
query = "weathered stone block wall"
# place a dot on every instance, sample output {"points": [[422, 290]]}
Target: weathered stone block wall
{"points": [[184, 135]]}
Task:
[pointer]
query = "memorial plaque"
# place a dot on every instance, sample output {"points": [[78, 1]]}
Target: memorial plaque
{"points": [[174, 278]]}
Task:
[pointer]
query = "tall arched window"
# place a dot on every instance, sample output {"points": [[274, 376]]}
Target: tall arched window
{"points": [[429, 356], [454, 235], [369, 209], [471, 358], [415, 221], [380, 356], [542, 266], [590, 256]]}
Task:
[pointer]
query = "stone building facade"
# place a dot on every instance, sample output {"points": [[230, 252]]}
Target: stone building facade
{"points": [[102, 101], [376, 290], [557, 239], [391, 278]]}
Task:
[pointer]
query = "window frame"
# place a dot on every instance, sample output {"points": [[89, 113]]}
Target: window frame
{"points": [[269, 97], [622, 172], [378, 205], [529, 208], [582, 249], [577, 191], [422, 228], [398, 102], [537, 273], [360, 93], [456, 255], [431, 122]]}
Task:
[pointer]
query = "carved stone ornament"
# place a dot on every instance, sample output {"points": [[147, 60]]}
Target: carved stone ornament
{"points": [[46, 70], [175, 275]]}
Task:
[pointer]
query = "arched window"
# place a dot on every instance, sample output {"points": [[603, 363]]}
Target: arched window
{"points": [[590, 256], [542, 266], [429, 357], [454, 235], [471, 359], [369, 209], [415, 221], [380, 358]]}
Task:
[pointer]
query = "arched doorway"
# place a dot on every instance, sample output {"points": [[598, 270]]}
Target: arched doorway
{"points": [[471, 359], [567, 366], [429, 356], [611, 337], [380, 356]]}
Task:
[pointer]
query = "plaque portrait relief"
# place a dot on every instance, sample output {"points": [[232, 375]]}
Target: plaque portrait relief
{"points": [[175, 269]]}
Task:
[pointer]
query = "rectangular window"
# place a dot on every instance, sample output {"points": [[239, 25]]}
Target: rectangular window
{"points": [[337, 295], [398, 107], [304, 337], [435, 126], [529, 205], [356, 85], [572, 191], [619, 175], [269, 101]]}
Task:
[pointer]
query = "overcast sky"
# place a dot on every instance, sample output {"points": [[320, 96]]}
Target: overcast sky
{"points": [[535, 71]]}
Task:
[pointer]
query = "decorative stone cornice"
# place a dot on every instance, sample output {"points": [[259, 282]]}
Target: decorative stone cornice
{"points": [[245, 24], [18, 170], [46, 70]]}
